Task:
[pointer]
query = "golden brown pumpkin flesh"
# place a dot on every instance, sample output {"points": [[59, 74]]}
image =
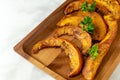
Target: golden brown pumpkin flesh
{"points": [[69, 20], [118, 1], [104, 6], [75, 18], [75, 6], [91, 65], [70, 49], [112, 5], [76, 32]]}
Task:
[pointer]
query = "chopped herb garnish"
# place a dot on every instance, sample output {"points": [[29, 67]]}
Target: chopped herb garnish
{"points": [[90, 28], [93, 52], [88, 8], [92, 7], [84, 6], [87, 24]]}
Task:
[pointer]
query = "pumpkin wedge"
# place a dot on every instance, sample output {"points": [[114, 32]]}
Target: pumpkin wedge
{"points": [[91, 65], [104, 6], [82, 36], [75, 6], [118, 1], [69, 20], [71, 51], [75, 18], [112, 5]]}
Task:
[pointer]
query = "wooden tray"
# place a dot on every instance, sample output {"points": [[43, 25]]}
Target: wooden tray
{"points": [[53, 61]]}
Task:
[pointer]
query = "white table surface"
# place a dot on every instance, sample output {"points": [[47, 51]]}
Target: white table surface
{"points": [[17, 19]]}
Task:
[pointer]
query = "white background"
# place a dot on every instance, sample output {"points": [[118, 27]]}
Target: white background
{"points": [[17, 19]]}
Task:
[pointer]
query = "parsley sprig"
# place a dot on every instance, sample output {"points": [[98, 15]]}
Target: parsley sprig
{"points": [[84, 6], [93, 52], [87, 24], [88, 8]]}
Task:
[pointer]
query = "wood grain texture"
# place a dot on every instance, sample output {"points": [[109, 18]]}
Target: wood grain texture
{"points": [[54, 61]]}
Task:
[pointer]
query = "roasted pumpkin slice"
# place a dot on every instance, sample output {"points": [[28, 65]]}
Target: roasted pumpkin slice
{"points": [[100, 26], [69, 21], [73, 40], [112, 5], [75, 6], [118, 1], [105, 7], [76, 32], [71, 51], [91, 65], [102, 10], [75, 18]]}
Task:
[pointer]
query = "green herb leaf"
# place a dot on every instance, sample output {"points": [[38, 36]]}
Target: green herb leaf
{"points": [[88, 19], [89, 8], [92, 7], [87, 24], [90, 28], [93, 52], [84, 6]]}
